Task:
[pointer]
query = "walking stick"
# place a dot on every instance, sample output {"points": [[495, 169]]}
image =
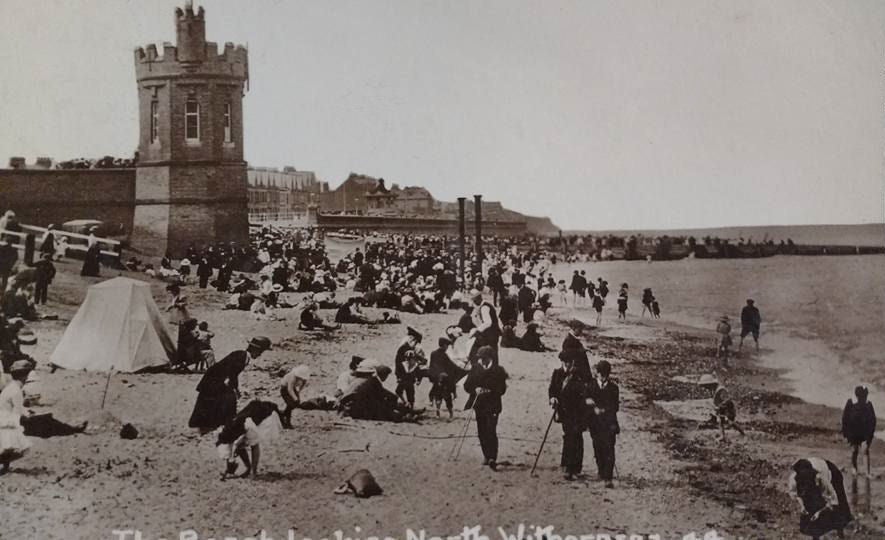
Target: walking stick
{"points": [[552, 417], [106, 385], [867, 450], [457, 450]]}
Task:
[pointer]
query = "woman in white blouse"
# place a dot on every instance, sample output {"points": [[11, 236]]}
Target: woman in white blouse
{"points": [[13, 443], [817, 487]]}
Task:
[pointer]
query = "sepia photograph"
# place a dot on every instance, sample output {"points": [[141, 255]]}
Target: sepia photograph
{"points": [[442, 270]]}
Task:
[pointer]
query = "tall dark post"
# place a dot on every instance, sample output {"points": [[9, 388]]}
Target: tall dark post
{"points": [[461, 235], [477, 203]]}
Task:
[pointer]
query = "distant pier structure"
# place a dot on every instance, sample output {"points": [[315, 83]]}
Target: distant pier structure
{"points": [[190, 180]]}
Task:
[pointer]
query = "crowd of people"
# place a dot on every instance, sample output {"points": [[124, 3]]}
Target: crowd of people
{"points": [[404, 274], [508, 290]]}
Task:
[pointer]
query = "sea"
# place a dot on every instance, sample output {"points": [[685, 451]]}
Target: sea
{"points": [[867, 234], [823, 317]]}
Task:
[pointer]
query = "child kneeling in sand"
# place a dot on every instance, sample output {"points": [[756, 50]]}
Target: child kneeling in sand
{"points": [[258, 422], [724, 410]]}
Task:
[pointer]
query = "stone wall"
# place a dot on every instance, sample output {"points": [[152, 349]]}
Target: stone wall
{"points": [[333, 222]]}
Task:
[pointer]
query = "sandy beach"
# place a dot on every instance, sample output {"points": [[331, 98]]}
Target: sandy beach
{"points": [[672, 478]]}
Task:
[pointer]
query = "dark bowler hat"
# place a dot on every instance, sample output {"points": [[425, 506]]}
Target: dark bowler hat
{"points": [[486, 351], [355, 361], [414, 333], [567, 356], [382, 371], [604, 368], [261, 343]]}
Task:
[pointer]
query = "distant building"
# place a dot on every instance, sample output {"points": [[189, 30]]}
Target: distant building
{"points": [[285, 195], [365, 195], [350, 196], [413, 200], [381, 201]]}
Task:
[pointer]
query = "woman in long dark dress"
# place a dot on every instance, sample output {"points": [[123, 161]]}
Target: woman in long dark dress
{"points": [[817, 486], [91, 261], [219, 388]]}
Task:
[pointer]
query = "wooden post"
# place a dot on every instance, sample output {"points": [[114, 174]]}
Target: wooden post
{"points": [[30, 248], [477, 210], [461, 237]]}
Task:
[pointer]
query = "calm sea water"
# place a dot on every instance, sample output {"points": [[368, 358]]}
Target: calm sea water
{"points": [[823, 317]]}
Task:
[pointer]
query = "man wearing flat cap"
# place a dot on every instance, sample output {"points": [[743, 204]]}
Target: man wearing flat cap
{"points": [[574, 347], [486, 383], [604, 402], [567, 393], [219, 388], [409, 343]]}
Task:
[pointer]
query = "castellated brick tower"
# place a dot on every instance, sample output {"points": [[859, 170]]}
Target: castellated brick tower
{"points": [[190, 181]]}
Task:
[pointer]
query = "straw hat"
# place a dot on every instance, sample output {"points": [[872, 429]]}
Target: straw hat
{"points": [[707, 380], [302, 372], [16, 322], [27, 337], [21, 366]]}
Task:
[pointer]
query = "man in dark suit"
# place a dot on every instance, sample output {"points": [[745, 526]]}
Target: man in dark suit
{"points": [[567, 392], [525, 299], [509, 311], [44, 274], [604, 398], [751, 321], [486, 383], [574, 347]]}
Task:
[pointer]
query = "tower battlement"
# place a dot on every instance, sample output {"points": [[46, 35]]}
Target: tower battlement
{"points": [[232, 62], [192, 54]]}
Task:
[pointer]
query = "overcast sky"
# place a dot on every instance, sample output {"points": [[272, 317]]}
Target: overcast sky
{"points": [[600, 114]]}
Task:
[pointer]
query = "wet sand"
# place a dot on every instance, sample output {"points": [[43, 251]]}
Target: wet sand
{"points": [[672, 477]]}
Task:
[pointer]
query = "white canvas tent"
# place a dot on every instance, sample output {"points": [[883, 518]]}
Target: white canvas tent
{"points": [[117, 325]]}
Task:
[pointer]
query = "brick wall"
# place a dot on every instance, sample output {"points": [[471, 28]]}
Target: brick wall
{"points": [[41, 197]]}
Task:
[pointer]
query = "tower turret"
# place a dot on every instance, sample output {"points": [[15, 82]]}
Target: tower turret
{"points": [[191, 33]]}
